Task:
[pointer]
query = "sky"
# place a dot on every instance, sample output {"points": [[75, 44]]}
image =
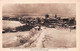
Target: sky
{"points": [[61, 9]]}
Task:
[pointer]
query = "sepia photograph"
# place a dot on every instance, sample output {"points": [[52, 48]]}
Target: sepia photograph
{"points": [[44, 25]]}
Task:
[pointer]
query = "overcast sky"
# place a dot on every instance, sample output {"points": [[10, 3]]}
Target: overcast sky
{"points": [[66, 10]]}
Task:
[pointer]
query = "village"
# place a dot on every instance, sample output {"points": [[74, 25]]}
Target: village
{"points": [[47, 21]]}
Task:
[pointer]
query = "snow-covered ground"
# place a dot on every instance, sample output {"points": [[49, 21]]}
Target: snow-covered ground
{"points": [[45, 38], [11, 24]]}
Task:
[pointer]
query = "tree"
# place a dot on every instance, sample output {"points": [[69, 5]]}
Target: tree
{"points": [[46, 16], [55, 16]]}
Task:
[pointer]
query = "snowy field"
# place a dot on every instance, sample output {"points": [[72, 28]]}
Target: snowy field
{"points": [[11, 24], [45, 38]]}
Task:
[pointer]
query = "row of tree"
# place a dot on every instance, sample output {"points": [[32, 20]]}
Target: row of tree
{"points": [[47, 21]]}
